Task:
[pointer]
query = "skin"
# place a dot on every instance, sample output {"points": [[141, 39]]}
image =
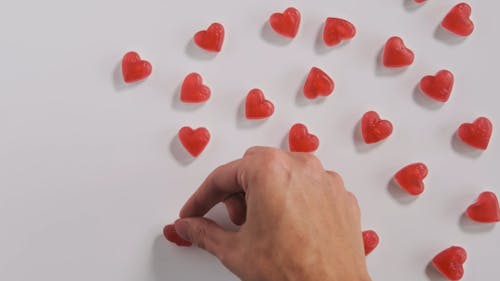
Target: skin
{"points": [[298, 221]]}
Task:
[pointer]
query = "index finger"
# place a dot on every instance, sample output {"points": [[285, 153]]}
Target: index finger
{"points": [[221, 183]]}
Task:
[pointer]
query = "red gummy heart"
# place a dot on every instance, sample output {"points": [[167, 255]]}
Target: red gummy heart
{"points": [[438, 87], [370, 241], [450, 262], [193, 90], [337, 30], [374, 129], [485, 209], [211, 39], [318, 83], [476, 134], [286, 23], [134, 69], [172, 236], [396, 54], [194, 141], [457, 20], [411, 178], [256, 105], [299, 139]]}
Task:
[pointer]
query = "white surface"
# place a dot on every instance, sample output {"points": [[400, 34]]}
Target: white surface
{"points": [[90, 169]]}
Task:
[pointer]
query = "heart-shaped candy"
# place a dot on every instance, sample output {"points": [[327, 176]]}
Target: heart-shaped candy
{"points": [[194, 141], [134, 69], [476, 134], [336, 30], [256, 105], [172, 236], [211, 39], [438, 87], [318, 83], [458, 20], [300, 140], [411, 178], [396, 54], [286, 23], [375, 129], [370, 241], [193, 90], [485, 209], [450, 262]]}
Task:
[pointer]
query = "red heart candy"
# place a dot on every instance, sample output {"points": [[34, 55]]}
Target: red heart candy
{"points": [[374, 129], [485, 209], [457, 20], [410, 178], [337, 30], [318, 83], [211, 39], [438, 87], [286, 23], [172, 236], [194, 141], [476, 134], [396, 54], [134, 69], [299, 139], [256, 105], [370, 241], [450, 262], [193, 90]]}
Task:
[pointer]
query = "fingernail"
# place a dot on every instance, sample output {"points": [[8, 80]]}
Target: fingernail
{"points": [[182, 228]]}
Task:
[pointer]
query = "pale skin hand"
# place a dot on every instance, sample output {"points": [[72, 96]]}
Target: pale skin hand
{"points": [[298, 222]]}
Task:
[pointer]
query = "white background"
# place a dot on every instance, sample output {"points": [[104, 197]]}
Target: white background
{"points": [[91, 170]]}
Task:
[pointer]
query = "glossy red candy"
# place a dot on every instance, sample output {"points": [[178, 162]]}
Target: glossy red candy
{"points": [[336, 30], [286, 23], [300, 140], [450, 262], [396, 54], [318, 83], [211, 39], [485, 209], [256, 105], [370, 241], [420, 1], [193, 90], [438, 87], [458, 20], [194, 141], [411, 178], [476, 134], [172, 236], [134, 69], [375, 129]]}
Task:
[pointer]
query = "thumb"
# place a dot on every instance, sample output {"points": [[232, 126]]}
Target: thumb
{"points": [[206, 234]]}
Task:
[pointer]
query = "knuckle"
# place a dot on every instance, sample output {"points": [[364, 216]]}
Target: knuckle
{"points": [[335, 178], [254, 150]]}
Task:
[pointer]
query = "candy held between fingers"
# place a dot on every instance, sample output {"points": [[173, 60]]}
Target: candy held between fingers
{"points": [[396, 54], [485, 209], [300, 140], [211, 39], [172, 236], [438, 87], [411, 178], [256, 105], [450, 262], [134, 68], [336, 30], [375, 129], [286, 23], [458, 20], [193, 90], [370, 241], [318, 83], [194, 141], [476, 134]]}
